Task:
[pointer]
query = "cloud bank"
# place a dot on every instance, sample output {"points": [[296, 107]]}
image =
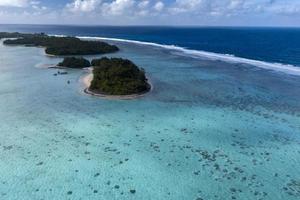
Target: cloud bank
{"points": [[155, 12]]}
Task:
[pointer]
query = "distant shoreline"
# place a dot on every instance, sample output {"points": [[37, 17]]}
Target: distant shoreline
{"points": [[87, 79]]}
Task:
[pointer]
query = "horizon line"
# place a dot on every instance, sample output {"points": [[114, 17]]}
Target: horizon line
{"points": [[149, 25]]}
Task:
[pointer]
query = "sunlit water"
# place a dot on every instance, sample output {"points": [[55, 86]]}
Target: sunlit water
{"points": [[208, 130]]}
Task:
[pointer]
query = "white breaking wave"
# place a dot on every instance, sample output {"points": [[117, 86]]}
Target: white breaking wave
{"points": [[285, 68]]}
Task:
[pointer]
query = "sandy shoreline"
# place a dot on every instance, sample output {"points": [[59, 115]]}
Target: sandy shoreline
{"points": [[87, 79]]}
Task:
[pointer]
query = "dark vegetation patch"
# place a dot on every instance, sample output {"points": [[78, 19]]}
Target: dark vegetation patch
{"points": [[73, 62], [117, 76], [59, 46]]}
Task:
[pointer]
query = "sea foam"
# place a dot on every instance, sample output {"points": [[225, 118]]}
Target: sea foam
{"points": [[285, 68]]}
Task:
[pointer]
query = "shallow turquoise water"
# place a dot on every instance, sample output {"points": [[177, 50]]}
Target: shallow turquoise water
{"points": [[208, 130]]}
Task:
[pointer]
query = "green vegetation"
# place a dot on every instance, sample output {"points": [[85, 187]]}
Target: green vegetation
{"points": [[59, 46], [117, 76], [73, 62], [17, 35]]}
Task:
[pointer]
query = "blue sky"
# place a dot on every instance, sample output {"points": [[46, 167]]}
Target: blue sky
{"points": [[153, 12]]}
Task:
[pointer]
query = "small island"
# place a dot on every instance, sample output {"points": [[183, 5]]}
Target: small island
{"points": [[117, 77], [59, 46], [110, 77], [74, 62], [17, 35]]}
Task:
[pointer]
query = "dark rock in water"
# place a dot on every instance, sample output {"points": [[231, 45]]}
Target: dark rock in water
{"points": [[117, 187], [69, 192], [132, 191], [293, 188], [7, 147], [60, 73], [232, 190], [73, 62], [184, 130], [40, 163]]}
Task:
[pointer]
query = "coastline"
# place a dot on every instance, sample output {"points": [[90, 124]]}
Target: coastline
{"points": [[194, 53], [86, 81]]}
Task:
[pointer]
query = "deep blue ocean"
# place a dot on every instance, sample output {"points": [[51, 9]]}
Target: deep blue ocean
{"points": [[222, 121], [279, 45]]}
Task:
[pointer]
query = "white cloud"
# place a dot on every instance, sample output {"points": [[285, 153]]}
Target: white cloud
{"points": [[234, 4], [285, 9], [36, 5], [219, 8], [143, 4], [34, 2], [118, 7], [39, 8], [83, 5], [195, 12], [159, 6], [14, 3], [183, 6]]}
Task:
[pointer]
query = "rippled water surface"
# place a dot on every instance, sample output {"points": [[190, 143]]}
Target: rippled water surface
{"points": [[208, 130]]}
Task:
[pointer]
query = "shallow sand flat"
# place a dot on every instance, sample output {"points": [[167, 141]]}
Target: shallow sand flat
{"points": [[87, 79]]}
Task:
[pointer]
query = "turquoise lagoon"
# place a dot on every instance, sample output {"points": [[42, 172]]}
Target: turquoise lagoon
{"points": [[207, 130]]}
